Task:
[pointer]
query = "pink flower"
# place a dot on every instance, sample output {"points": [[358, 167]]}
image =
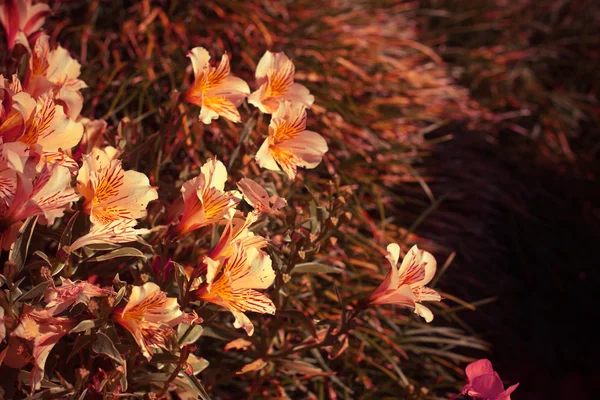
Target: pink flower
{"points": [[289, 145], [258, 198], [69, 293], [405, 286], [37, 333], [275, 76], [214, 89], [485, 383], [22, 21]]}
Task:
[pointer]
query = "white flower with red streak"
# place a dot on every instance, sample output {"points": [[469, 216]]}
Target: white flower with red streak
{"points": [[55, 71], [150, 317], [289, 145], [22, 21], [118, 231], [214, 89], [110, 192], [275, 76], [405, 286]]}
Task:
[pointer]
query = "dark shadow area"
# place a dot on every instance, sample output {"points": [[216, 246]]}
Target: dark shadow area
{"points": [[529, 236]]}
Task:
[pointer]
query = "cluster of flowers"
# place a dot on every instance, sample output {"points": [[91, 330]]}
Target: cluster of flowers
{"points": [[51, 158]]}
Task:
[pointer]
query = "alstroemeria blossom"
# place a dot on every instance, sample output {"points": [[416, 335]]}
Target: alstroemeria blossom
{"points": [[205, 201], [289, 144], [55, 71], [150, 317], [405, 286], [117, 231], [275, 76], [214, 89], [238, 231], [18, 108], [13, 158], [69, 294], [110, 192], [51, 129], [47, 195], [258, 198], [33, 339], [22, 21], [485, 383], [231, 283]]}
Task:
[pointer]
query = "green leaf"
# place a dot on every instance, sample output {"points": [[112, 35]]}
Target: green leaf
{"points": [[187, 334], [86, 325], [18, 252], [35, 292], [122, 252], [103, 345], [67, 235], [165, 358], [314, 268], [80, 342]]}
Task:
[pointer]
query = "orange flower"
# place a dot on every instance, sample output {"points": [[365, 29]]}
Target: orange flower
{"points": [[22, 21], [405, 286], [214, 89], [33, 339], [55, 71], [150, 317], [205, 201], [110, 192], [231, 283], [289, 144], [275, 76]]}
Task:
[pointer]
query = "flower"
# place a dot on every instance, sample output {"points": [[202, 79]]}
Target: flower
{"points": [[55, 71], [110, 192], [485, 383], [22, 21], [214, 89], [118, 231], [258, 198], [18, 107], [405, 286], [150, 317], [231, 283], [289, 144], [205, 201], [275, 76], [69, 293], [47, 195], [33, 339], [238, 231], [13, 158]]}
